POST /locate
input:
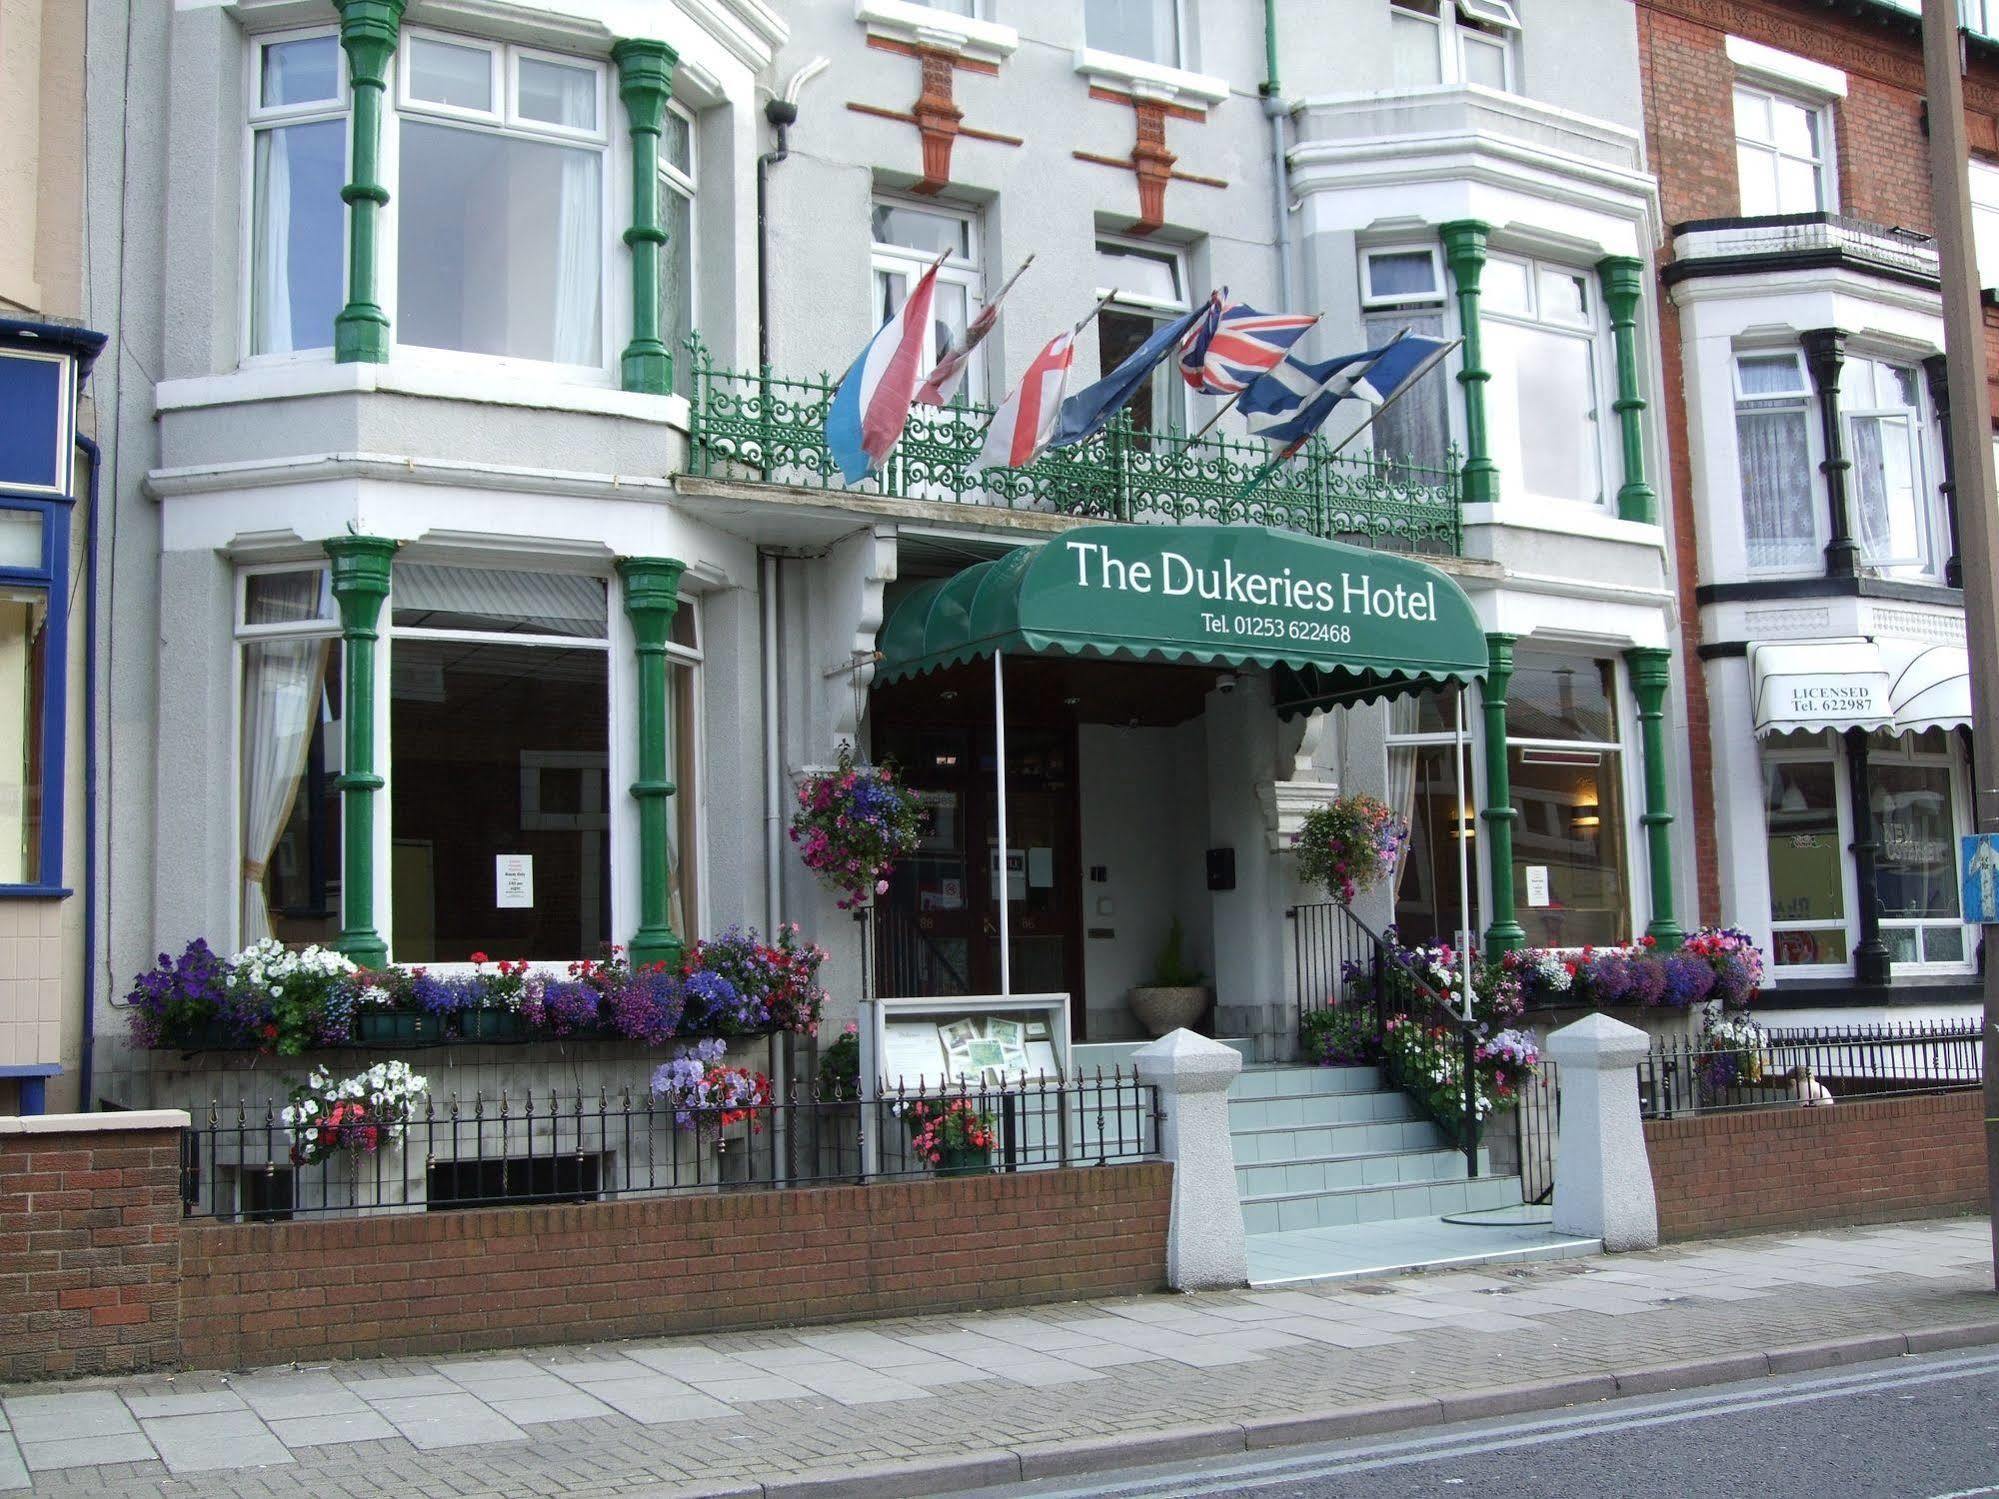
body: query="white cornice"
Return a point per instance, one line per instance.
(750, 30)
(317, 468)
(1151, 80)
(927, 26)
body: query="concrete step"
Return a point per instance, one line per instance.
(1086, 1056)
(1343, 1173)
(1290, 1082)
(1283, 1212)
(1286, 1142)
(1314, 1107)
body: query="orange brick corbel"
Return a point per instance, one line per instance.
(935, 114)
(1151, 161)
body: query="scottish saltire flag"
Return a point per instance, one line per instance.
(949, 373)
(1026, 418)
(871, 406)
(1089, 410)
(1234, 343)
(1293, 401)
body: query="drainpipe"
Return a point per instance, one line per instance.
(1280, 172)
(782, 112)
(773, 752)
(86, 1069)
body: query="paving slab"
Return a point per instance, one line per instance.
(222, 1439)
(77, 1415)
(357, 1425)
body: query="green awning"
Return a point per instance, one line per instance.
(1334, 623)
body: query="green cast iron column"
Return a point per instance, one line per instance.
(368, 31)
(1649, 679)
(1623, 284)
(652, 593)
(1505, 933)
(360, 583)
(1464, 247)
(645, 82)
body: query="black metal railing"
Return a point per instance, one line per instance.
(1810, 1067)
(1537, 1127)
(242, 1162)
(1339, 961)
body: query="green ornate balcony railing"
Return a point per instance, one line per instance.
(771, 429)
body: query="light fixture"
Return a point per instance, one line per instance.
(1070, 702)
(948, 695)
(1585, 815)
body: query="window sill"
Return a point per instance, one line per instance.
(35, 892)
(1151, 80)
(921, 26)
(299, 379)
(1565, 517)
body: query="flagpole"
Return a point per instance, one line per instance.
(1400, 391)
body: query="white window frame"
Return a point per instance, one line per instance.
(966, 271)
(612, 325)
(1814, 455)
(1371, 299)
(1590, 332)
(240, 635)
(1182, 53)
(1905, 752)
(1156, 308)
(1474, 790)
(258, 117)
(1817, 106)
(620, 703)
(1923, 457)
(686, 185)
(1454, 20)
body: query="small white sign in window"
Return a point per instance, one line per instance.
(513, 882)
(1537, 884)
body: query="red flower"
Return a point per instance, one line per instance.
(478, 957)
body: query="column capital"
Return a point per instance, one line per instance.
(652, 595)
(1464, 247)
(645, 79)
(1651, 667)
(1621, 275)
(1825, 352)
(1499, 653)
(361, 570)
(369, 30)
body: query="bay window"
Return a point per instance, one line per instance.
(1882, 406)
(1565, 759)
(501, 227)
(288, 756)
(1782, 153)
(298, 163)
(1913, 782)
(1773, 422)
(1148, 30)
(1452, 41)
(499, 763)
(1539, 328)
(907, 240)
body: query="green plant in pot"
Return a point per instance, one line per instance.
(1177, 997)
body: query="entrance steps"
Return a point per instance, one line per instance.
(1339, 1176)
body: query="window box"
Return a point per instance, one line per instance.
(492, 1025)
(397, 1028)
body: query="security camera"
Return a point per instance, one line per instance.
(1225, 683)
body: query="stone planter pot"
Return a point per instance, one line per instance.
(1165, 1010)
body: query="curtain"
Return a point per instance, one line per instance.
(1777, 518)
(282, 682)
(1402, 719)
(1870, 490)
(270, 282)
(579, 229)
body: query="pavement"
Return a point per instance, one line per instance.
(940, 1403)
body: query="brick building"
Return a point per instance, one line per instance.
(1811, 504)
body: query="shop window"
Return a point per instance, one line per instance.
(289, 757)
(1436, 798)
(499, 756)
(501, 229)
(1985, 221)
(907, 241)
(1570, 884)
(679, 185)
(1782, 153)
(1539, 323)
(1148, 287)
(1148, 30)
(1807, 860)
(1882, 406)
(1913, 784)
(298, 164)
(1780, 505)
(1453, 41)
(1402, 291)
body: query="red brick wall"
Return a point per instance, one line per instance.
(1768, 1169)
(443, 1282)
(90, 1243)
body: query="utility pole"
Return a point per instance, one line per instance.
(1971, 448)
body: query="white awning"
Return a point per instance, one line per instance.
(1807, 685)
(1931, 685)
(1900, 686)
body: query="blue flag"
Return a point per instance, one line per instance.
(1088, 411)
(1293, 401)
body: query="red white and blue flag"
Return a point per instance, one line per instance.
(1026, 419)
(1234, 343)
(871, 405)
(949, 372)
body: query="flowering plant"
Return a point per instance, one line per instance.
(956, 1127)
(1427, 1062)
(840, 1067)
(174, 1002)
(290, 1001)
(1714, 962)
(704, 1093)
(853, 822)
(1732, 1052)
(359, 1113)
(1350, 844)
(770, 984)
(1338, 1035)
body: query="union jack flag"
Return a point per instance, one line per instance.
(1234, 343)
